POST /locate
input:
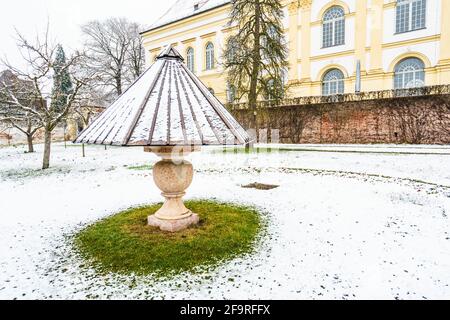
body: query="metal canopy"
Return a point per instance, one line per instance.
(167, 106)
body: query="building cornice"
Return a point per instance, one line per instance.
(208, 35)
(305, 4)
(184, 18)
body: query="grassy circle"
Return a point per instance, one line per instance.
(123, 243)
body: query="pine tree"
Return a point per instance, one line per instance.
(255, 58)
(62, 84)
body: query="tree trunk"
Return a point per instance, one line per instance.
(119, 84)
(65, 140)
(252, 97)
(30, 143)
(47, 144)
(29, 133)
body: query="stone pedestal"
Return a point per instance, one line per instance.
(172, 175)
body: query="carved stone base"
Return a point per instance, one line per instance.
(173, 225)
(172, 175)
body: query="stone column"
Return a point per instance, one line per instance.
(293, 41)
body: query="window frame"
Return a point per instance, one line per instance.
(231, 93)
(415, 73)
(410, 28)
(328, 82)
(333, 31)
(190, 59)
(232, 49)
(209, 56)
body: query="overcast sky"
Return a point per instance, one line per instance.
(66, 17)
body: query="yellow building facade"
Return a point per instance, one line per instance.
(335, 46)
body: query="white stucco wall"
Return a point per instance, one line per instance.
(318, 5)
(316, 38)
(433, 23)
(393, 45)
(429, 49)
(346, 62)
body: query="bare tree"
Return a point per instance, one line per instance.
(136, 53)
(27, 125)
(114, 51)
(24, 121)
(443, 117)
(90, 101)
(39, 57)
(5, 135)
(413, 123)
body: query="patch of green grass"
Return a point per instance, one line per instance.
(144, 167)
(125, 244)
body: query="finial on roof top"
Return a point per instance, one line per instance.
(170, 52)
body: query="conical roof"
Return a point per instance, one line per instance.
(167, 106)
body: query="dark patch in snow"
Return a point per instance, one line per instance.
(260, 186)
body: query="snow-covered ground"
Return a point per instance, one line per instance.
(347, 222)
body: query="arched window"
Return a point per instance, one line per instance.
(231, 93)
(190, 58)
(270, 89)
(268, 41)
(409, 73)
(284, 77)
(209, 56)
(333, 82)
(333, 27)
(410, 15)
(232, 50)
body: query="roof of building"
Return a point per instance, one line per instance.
(183, 9)
(9, 78)
(167, 106)
(21, 88)
(6, 77)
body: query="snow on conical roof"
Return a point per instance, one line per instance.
(167, 106)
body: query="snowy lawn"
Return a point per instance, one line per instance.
(346, 222)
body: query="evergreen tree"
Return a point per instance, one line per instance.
(62, 84)
(255, 57)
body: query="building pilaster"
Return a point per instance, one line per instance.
(293, 41)
(376, 49)
(360, 33)
(444, 57)
(305, 6)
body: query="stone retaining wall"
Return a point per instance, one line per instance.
(414, 120)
